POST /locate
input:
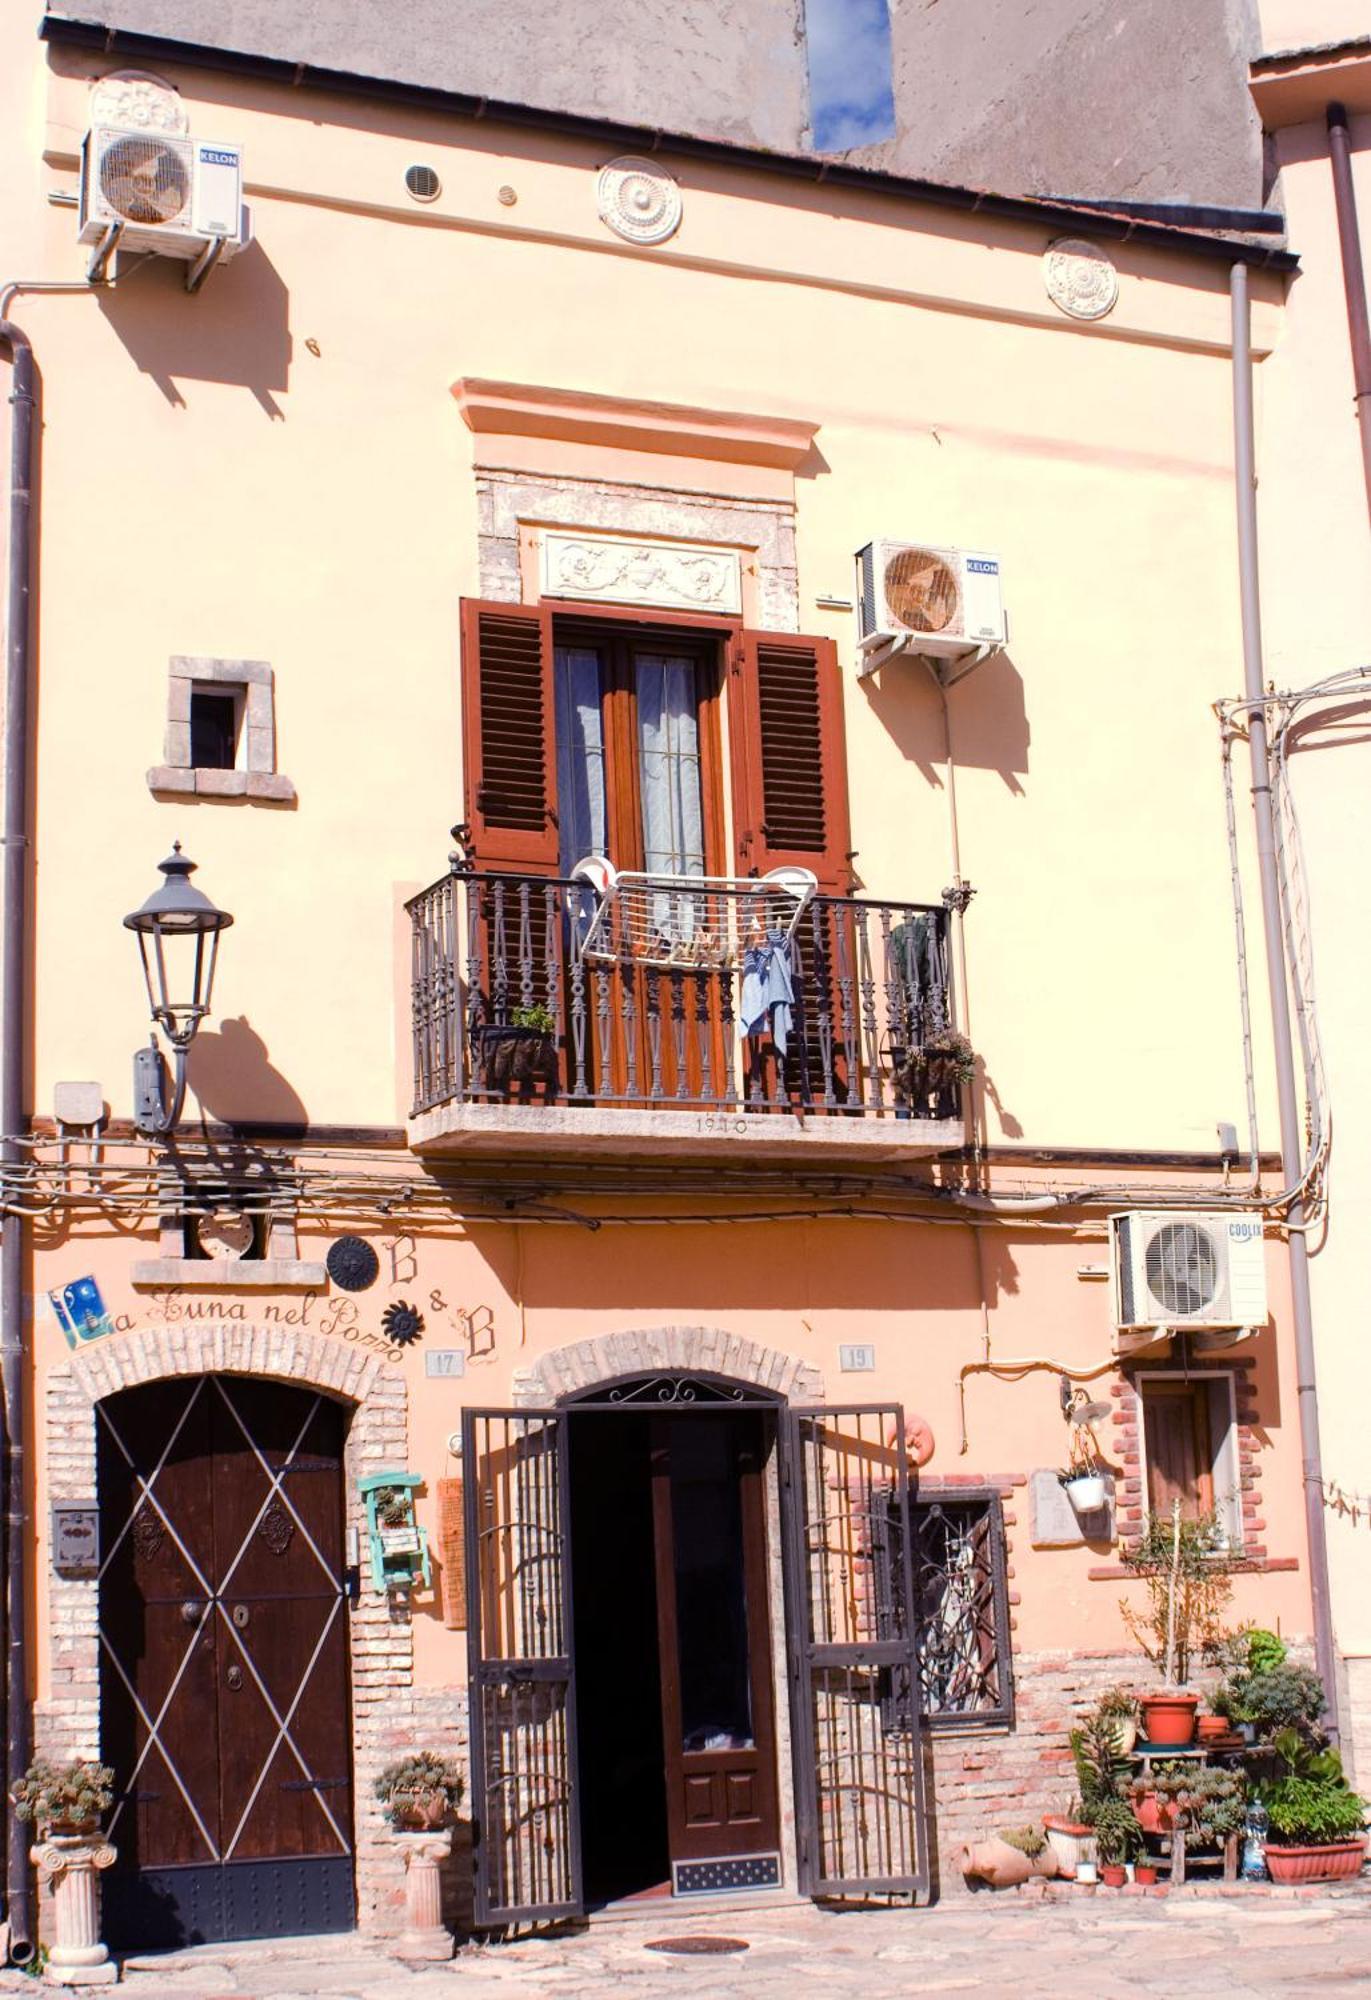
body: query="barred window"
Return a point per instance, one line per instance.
(961, 1600)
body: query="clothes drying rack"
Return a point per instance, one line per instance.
(678, 923)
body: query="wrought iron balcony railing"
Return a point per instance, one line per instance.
(514, 1002)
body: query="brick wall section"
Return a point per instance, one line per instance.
(1125, 1447)
(658, 1350)
(1000, 1777)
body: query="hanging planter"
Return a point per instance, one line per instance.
(1086, 1491)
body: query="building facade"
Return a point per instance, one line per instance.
(583, 1322)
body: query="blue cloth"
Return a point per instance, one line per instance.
(768, 993)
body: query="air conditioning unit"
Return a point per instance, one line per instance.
(1177, 1268)
(939, 602)
(162, 192)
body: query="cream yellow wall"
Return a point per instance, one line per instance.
(1314, 531)
(214, 486)
(1308, 24)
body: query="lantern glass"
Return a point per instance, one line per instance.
(178, 938)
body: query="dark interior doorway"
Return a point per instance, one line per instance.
(675, 1713)
(621, 1780)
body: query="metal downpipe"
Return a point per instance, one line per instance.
(1353, 278)
(1245, 480)
(13, 1020)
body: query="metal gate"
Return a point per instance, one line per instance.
(523, 1721)
(859, 1779)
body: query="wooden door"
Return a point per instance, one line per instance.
(224, 1661)
(718, 1712)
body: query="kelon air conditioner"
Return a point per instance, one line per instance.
(161, 192)
(1178, 1268)
(940, 602)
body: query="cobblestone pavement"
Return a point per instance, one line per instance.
(1109, 1945)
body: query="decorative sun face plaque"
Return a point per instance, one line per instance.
(638, 200)
(1080, 277)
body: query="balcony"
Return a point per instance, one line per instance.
(536, 1030)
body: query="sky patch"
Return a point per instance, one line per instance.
(851, 98)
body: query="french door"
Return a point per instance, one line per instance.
(850, 1645)
(224, 1661)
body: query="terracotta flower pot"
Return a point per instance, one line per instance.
(1113, 1874)
(1211, 1728)
(419, 1812)
(1069, 1840)
(1169, 1718)
(994, 1861)
(1144, 1874)
(1153, 1814)
(1334, 1861)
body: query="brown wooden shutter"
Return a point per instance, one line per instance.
(1179, 1449)
(789, 757)
(508, 748)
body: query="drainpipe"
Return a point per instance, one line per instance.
(13, 996)
(1292, 1164)
(1353, 278)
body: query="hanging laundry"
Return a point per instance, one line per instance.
(768, 993)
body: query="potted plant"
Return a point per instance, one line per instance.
(64, 1799)
(521, 1050)
(1083, 1478)
(1071, 1838)
(421, 1792)
(1117, 1838)
(1207, 1802)
(936, 1069)
(1317, 1830)
(1186, 1568)
(1010, 1856)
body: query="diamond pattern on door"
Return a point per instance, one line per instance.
(224, 1661)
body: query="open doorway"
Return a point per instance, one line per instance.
(675, 1712)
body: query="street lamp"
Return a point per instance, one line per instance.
(178, 936)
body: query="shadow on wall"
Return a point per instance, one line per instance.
(715, 1275)
(989, 717)
(235, 330)
(234, 1082)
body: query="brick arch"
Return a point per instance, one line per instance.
(707, 1350)
(384, 1698)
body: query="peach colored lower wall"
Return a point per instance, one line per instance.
(529, 1308)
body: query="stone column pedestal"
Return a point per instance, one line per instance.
(72, 1862)
(425, 1936)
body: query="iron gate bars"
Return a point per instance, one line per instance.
(523, 1720)
(855, 1705)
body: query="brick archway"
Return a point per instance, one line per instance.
(67, 1724)
(707, 1350)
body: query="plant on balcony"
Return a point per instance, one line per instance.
(521, 1050)
(421, 1792)
(936, 1069)
(64, 1798)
